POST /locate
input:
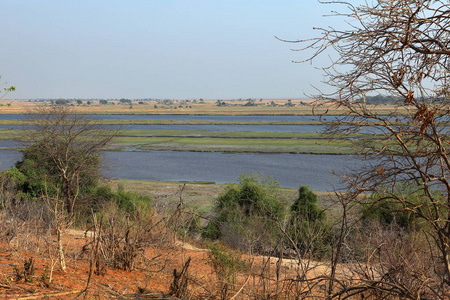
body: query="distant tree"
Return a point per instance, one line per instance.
(250, 102)
(289, 103)
(125, 101)
(379, 99)
(61, 102)
(79, 102)
(103, 101)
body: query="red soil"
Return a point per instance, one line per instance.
(155, 277)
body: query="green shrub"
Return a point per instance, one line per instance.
(305, 207)
(308, 227)
(246, 214)
(36, 175)
(12, 182)
(127, 201)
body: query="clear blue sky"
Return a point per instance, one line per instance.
(157, 48)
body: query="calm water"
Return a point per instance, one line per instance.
(8, 158)
(290, 170)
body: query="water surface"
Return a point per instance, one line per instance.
(290, 170)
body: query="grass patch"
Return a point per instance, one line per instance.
(218, 141)
(226, 134)
(238, 145)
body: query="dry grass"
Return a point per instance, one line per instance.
(208, 108)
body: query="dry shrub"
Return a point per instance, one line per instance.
(179, 286)
(252, 234)
(124, 236)
(24, 224)
(388, 261)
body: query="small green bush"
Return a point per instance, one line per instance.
(127, 201)
(246, 214)
(308, 227)
(305, 207)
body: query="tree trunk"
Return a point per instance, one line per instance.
(62, 259)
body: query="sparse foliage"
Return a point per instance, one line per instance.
(6, 91)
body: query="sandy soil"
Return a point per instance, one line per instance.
(152, 278)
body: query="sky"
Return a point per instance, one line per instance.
(177, 49)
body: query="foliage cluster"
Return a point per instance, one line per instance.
(250, 216)
(308, 227)
(244, 214)
(59, 172)
(36, 174)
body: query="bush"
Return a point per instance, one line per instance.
(127, 202)
(37, 175)
(245, 214)
(305, 207)
(308, 227)
(12, 182)
(123, 235)
(226, 266)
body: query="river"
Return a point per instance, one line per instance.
(290, 170)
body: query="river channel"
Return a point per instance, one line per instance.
(290, 170)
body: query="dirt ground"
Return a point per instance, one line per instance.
(153, 278)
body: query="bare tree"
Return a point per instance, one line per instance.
(61, 161)
(401, 49)
(67, 146)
